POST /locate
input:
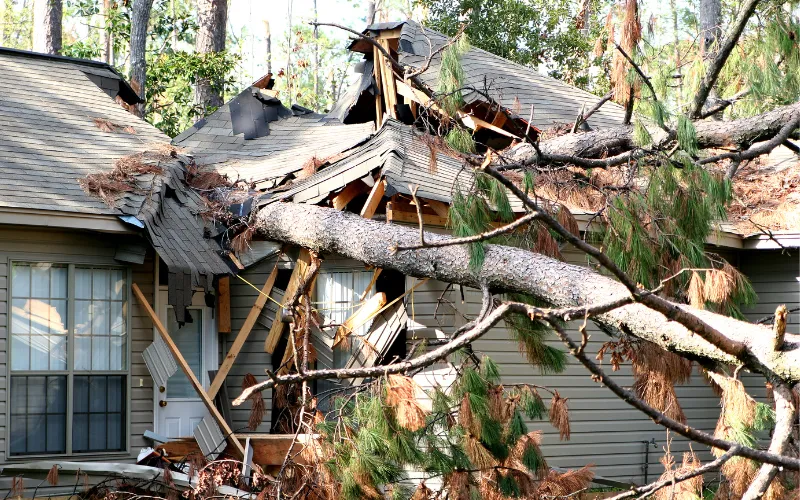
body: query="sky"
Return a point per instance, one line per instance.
(249, 15)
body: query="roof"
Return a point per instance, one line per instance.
(49, 137)
(293, 138)
(515, 87)
(403, 155)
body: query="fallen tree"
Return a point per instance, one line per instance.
(517, 270)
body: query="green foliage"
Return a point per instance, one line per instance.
(641, 136)
(532, 404)
(508, 486)
(460, 139)
(765, 417)
(531, 335)
(687, 135)
(451, 77)
(469, 215)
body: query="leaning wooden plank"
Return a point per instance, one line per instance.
(224, 309)
(361, 316)
(371, 283)
(244, 332)
(376, 68)
(441, 209)
(299, 273)
(374, 199)
(198, 387)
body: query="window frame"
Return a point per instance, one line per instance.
(70, 371)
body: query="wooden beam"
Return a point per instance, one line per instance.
(371, 283)
(389, 81)
(347, 194)
(359, 317)
(374, 199)
(386, 78)
(389, 34)
(187, 370)
(394, 215)
(298, 274)
(441, 209)
(244, 332)
(376, 71)
(223, 306)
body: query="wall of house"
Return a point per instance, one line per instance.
(74, 247)
(775, 276)
(252, 358)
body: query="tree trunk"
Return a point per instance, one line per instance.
(140, 18)
(47, 16)
(107, 40)
(512, 269)
(316, 59)
(710, 25)
(212, 17)
(370, 12)
(268, 39)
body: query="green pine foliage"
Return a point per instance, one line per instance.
(641, 136)
(687, 135)
(531, 335)
(460, 139)
(378, 449)
(451, 77)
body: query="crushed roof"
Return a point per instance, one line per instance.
(292, 142)
(513, 86)
(49, 137)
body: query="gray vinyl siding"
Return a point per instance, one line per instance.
(17, 243)
(775, 276)
(252, 358)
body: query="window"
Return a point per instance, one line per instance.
(69, 366)
(338, 297)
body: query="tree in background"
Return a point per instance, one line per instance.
(212, 18)
(140, 20)
(47, 15)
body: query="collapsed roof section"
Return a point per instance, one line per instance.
(257, 139)
(517, 89)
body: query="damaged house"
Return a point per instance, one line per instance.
(132, 315)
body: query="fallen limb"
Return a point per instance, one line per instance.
(517, 270)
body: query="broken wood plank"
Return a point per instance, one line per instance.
(361, 316)
(298, 275)
(441, 209)
(374, 199)
(224, 305)
(244, 332)
(389, 34)
(347, 194)
(187, 370)
(371, 283)
(395, 215)
(376, 71)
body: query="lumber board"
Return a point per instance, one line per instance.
(244, 332)
(394, 215)
(359, 317)
(299, 272)
(441, 209)
(224, 305)
(187, 370)
(347, 194)
(268, 449)
(374, 199)
(371, 283)
(376, 70)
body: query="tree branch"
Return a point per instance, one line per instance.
(725, 49)
(785, 413)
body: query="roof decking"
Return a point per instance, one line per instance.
(48, 135)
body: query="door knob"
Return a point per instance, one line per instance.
(162, 403)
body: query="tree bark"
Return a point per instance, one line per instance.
(268, 41)
(140, 18)
(47, 16)
(616, 140)
(212, 18)
(517, 270)
(710, 25)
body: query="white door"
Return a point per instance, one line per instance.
(178, 408)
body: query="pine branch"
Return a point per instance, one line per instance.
(725, 49)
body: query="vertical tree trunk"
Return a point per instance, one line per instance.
(711, 31)
(212, 17)
(47, 26)
(268, 35)
(107, 38)
(370, 12)
(316, 60)
(676, 41)
(140, 18)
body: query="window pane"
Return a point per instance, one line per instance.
(58, 352)
(20, 316)
(83, 353)
(189, 339)
(82, 323)
(100, 359)
(20, 352)
(58, 317)
(40, 281)
(38, 414)
(83, 283)
(40, 352)
(100, 287)
(21, 280)
(100, 313)
(99, 413)
(58, 282)
(117, 356)
(117, 284)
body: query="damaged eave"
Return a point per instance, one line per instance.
(64, 220)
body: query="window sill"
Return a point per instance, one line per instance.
(77, 457)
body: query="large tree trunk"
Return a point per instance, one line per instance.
(47, 16)
(710, 25)
(212, 17)
(268, 42)
(517, 270)
(140, 18)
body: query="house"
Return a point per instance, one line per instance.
(82, 350)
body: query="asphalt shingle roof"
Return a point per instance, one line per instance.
(291, 143)
(48, 135)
